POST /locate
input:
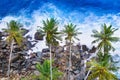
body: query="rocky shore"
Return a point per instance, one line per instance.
(23, 64)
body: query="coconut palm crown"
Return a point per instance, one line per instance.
(71, 32)
(105, 38)
(102, 71)
(50, 30)
(14, 32)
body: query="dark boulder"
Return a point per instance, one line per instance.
(28, 37)
(59, 50)
(3, 44)
(27, 45)
(25, 31)
(92, 50)
(38, 36)
(0, 35)
(85, 48)
(45, 50)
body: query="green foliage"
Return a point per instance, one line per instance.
(24, 79)
(106, 57)
(103, 67)
(50, 30)
(102, 70)
(105, 38)
(14, 32)
(71, 32)
(44, 70)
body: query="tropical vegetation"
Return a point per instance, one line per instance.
(14, 36)
(100, 67)
(71, 32)
(50, 30)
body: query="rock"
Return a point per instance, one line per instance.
(75, 49)
(3, 44)
(17, 48)
(59, 55)
(77, 72)
(45, 50)
(33, 67)
(34, 62)
(27, 45)
(36, 72)
(38, 36)
(15, 58)
(4, 34)
(39, 54)
(85, 48)
(0, 35)
(92, 50)
(80, 76)
(29, 37)
(59, 50)
(25, 31)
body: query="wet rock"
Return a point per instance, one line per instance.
(75, 49)
(29, 37)
(85, 48)
(39, 54)
(27, 45)
(45, 50)
(36, 72)
(59, 49)
(38, 36)
(25, 31)
(93, 50)
(3, 44)
(15, 58)
(80, 76)
(4, 34)
(0, 35)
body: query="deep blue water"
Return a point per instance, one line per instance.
(100, 7)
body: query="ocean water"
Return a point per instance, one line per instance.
(87, 15)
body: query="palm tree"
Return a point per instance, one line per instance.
(44, 70)
(50, 30)
(14, 35)
(102, 71)
(70, 32)
(105, 38)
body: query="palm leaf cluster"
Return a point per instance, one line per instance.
(14, 32)
(105, 38)
(50, 30)
(104, 66)
(71, 32)
(102, 71)
(44, 70)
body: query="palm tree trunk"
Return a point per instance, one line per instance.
(87, 75)
(11, 49)
(50, 63)
(70, 63)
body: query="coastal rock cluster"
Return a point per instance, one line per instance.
(23, 63)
